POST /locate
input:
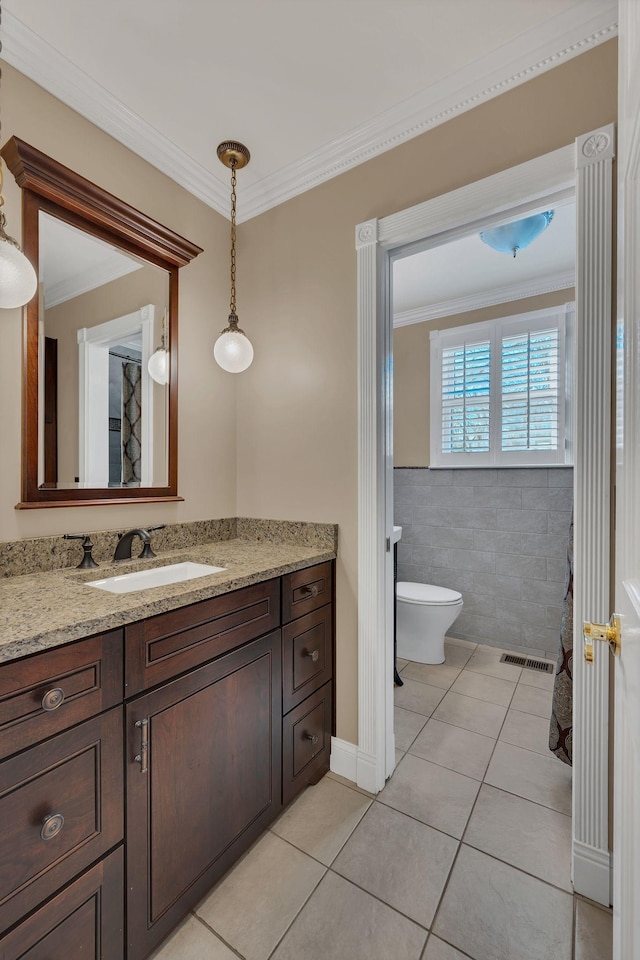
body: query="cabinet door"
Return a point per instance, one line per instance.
(84, 921)
(205, 785)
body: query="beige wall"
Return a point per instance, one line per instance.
(207, 429)
(117, 298)
(297, 405)
(411, 368)
(296, 420)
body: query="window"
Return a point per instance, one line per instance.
(500, 391)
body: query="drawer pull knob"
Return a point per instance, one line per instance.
(142, 757)
(313, 737)
(53, 699)
(313, 590)
(313, 655)
(51, 826)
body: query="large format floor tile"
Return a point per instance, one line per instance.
(544, 780)
(388, 855)
(322, 819)
(432, 794)
(527, 731)
(419, 697)
(491, 689)
(406, 727)
(594, 932)
(494, 912)
(534, 700)
(533, 678)
(341, 921)
(457, 655)
(487, 661)
(524, 834)
(437, 674)
(477, 715)
(192, 941)
(439, 950)
(455, 748)
(249, 909)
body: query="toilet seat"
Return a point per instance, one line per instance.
(426, 593)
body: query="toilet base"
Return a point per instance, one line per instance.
(421, 630)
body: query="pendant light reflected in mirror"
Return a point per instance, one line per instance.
(18, 280)
(233, 350)
(158, 365)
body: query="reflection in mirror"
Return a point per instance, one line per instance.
(102, 420)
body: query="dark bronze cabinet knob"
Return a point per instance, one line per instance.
(53, 699)
(313, 737)
(51, 826)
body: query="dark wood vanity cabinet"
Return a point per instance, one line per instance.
(206, 785)
(193, 727)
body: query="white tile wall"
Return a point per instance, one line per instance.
(499, 537)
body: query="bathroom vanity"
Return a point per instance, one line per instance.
(137, 764)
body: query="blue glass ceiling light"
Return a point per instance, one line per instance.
(511, 237)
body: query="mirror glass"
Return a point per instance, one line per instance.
(103, 422)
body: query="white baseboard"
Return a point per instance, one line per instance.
(344, 759)
(592, 872)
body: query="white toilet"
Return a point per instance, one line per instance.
(425, 613)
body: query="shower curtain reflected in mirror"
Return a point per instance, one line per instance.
(131, 424)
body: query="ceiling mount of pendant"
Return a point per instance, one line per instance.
(232, 153)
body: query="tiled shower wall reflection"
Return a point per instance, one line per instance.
(500, 538)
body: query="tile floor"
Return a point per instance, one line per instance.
(464, 854)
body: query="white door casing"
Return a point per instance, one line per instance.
(626, 843)
(552, 177)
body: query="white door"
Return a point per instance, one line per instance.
(626, 845)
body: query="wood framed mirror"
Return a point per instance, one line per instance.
(96, 426)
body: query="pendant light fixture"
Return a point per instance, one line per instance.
(233, 350)
(158, 365)
(18, 280)
(514, 236)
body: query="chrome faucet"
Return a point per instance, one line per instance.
(125, 541)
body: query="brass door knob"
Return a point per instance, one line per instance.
(607, 632)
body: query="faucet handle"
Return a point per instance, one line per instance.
(147, 552)
(87, 561)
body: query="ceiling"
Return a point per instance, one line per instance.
(465, 274)
(312, 87)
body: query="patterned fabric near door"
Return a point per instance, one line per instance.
(561, 725)
(131, 424)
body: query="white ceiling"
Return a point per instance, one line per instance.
(466, 274)
(72, 262)
(311, 86)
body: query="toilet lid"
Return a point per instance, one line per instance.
(426, 593)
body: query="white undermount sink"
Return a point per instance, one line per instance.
(158, 577)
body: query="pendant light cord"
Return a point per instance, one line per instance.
(232, 304)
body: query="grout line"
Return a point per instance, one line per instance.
(375, 896)
(217, 935)
(303, 905)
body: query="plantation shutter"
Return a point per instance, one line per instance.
(530, 390)
(466, 382)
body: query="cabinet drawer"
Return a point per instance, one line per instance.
(162, 647)
(51, 691)
(84, 921)
(61, 808)
(307, 650)
(306, 742)
(306, 590)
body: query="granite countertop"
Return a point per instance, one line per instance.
(43, 610)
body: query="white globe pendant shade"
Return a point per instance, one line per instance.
(18, 280)
(233, 351)
(158, 366)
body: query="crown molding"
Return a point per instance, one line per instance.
(490, 298)
(554, 42)
(42, 63)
